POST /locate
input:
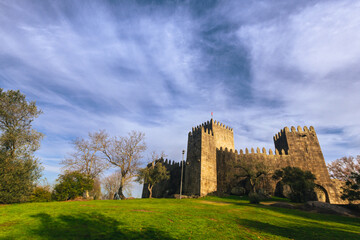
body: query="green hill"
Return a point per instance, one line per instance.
(204, 218)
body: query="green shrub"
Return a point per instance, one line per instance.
(41, 194)
(71, 185)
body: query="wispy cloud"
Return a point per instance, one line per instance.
(307, 61)
(162, 67)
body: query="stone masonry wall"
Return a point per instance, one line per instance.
(295, 149)
(224, 136)
(211, 160)
(208, 163)
(193, 159)
(227, 161)
(304, 148)
(168, 187)
(201, 158)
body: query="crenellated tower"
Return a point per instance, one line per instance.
(212, 159)
(303, 146)
(201, 176)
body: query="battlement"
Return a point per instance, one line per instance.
(208, 127)
(212, 159)
(252, 151)
(294, 130)
(197, 130)
(222, 125)
(168, 163)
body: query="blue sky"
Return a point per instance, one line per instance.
(162, 67)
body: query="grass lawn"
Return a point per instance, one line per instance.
(204, 218)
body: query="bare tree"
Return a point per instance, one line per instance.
(87, 156)
(343, 167)
(96, 191)
(125, 153)
(111, 185)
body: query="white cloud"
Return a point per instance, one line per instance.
(309, 62)
(155, 70)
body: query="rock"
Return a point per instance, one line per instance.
(177, 196)
(283, 205)
(323, 207)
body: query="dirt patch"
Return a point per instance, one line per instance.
(268, 203)
(7, 224)
(79, 199)
(213, 219)
(87, 205)
(141, 210)
(170, 220)
(215, 203)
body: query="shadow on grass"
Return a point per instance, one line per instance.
(235, 199)
(90, 226)
(315, 231)
(311, 216)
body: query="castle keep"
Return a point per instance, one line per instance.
(211, 157)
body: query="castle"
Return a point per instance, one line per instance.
(211, 157)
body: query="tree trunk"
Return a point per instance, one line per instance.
(252, 185)
(87, 194)
(120, 191)
(150, 187)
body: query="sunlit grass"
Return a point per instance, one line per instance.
(204, 218)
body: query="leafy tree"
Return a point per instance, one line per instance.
(125, 154)
(19, 169)
(343, 167)
(17, 177)
(72, 185)
(351, 190)
(153, 173)
(301, 183)
(87, 157)
(255, 172)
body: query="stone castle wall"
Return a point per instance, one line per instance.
(228, 160)
(169, 187)
(208, 163)
(193, 159)
(211, 160)
(305, 148)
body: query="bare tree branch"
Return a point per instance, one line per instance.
(125, 153)
(343, 167)
(87, 156)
